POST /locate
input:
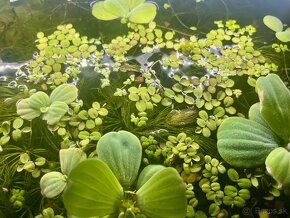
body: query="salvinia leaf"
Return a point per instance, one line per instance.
(25, 111)
(55, 112)
(273, 23)
(66, 93)
(122, 152)
(163, 195)
(143, 13)
(275, 104)
(70, 158)
(92, 190)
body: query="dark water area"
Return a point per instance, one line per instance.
(21, 20)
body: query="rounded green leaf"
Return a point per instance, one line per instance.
(25, 111)
(284, 36)
(244, 143)
(52, 184)
(39, 100)
(278, 166)
(147, 173)
(163, 195)
(273, 23)
(143, 13)
(66, 93)
(69, 158)
(275, 104)
(101, 13)
(55, 112)
(116, 8)
(92, 190)
(122, 152)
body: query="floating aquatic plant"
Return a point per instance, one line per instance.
(276, 25)
(135, 11)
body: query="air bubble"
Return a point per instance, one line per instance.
(12, 84)
(3, 78)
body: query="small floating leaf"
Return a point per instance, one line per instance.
(273, 23)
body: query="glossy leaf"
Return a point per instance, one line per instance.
(92, 190)
(275, 104)
(66, 93)
(70, 158)
(122, 152)
(163, 195)
(244, 143)
(273, 23)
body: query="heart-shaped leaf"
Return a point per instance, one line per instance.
(92, 190)
(122, 152)
(55, 112)
(273, 23)
(275, 104)
(278, 166)
(244, 143)
(69, 158)
(25, 111)
(66, 93)
(163, 195)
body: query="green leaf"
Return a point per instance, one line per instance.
(39, 100)
(163, 195)
(69, 158)
(66, 93)
(116, 8)
(25, 111)
(273, 23)
(55, 112)
(17, 123)
(275, 104)
(147, 173)
(122, 152)
(52, 184)
(255, 115)
(278, 166)
(101, 13)
(244, 143)
(92, 190)
(143, 13)
(284, 36)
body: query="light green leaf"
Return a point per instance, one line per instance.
(284, 36)
(122, 152)
(25, 111)
(244, 143)
(147, 173)
(66, 93)
(116, 8)
(163, 195)
(52, 184)
(255, 115)
(143, 13)
(39, 100)
(101, 13)
(92, 190)
(278, 166)
(69, 158)
(273, 23)
(55, 112)
(275, 104)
